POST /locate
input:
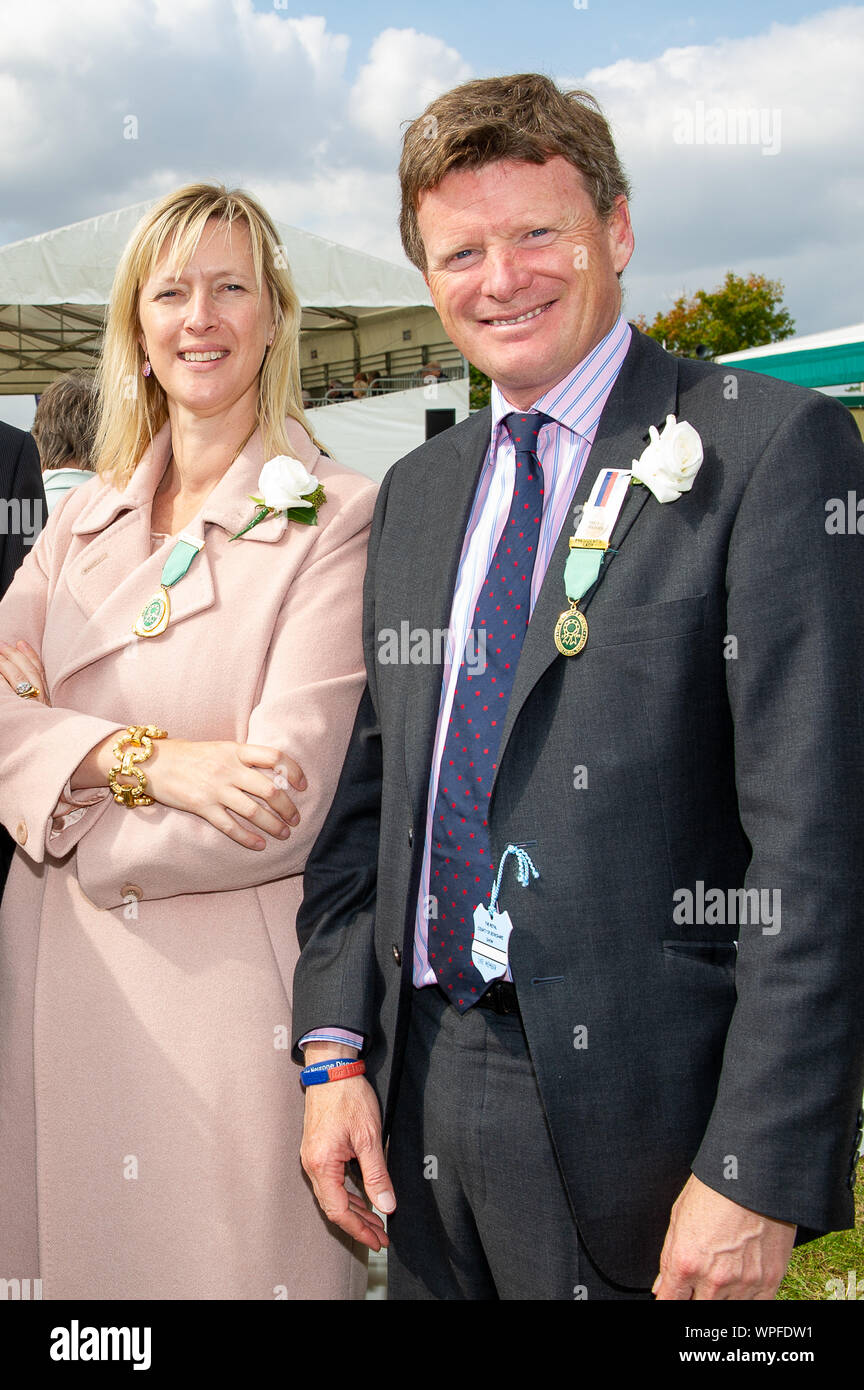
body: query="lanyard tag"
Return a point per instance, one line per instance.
(601, 510)
(489, 949)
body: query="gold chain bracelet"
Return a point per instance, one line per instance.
(133, 746)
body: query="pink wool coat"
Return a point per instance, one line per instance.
(150, 1113)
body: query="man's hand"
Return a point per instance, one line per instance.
(343, 1121)
(716, 1249)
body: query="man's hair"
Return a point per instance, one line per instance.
(525, 117)
(65, 423)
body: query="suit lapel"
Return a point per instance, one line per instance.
(645, 392)
(450, 482)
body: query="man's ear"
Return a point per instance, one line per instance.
(620, 231)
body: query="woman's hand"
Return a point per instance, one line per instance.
(222, 782)
(22, 663)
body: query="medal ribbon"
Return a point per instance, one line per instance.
(596, 525)
(587, 549)
(181, 557)
(581, 571)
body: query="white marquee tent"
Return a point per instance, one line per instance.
(54, 288)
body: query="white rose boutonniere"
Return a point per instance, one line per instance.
(671, 461)
(286, 486)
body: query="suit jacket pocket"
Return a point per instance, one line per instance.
(611, 627)
(722, 953)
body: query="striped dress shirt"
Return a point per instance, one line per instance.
(574, 405)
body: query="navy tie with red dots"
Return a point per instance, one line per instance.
(461, 873)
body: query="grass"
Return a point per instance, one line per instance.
(830, 1257)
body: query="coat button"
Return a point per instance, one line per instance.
(131, 890)
(21, 833)
(397, 954)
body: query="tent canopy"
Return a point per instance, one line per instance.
(834, 358)
(54, 290)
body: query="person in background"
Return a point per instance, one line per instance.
(171, 730)
(433, 371)
(336, 391)
(65, 429)
(360, 387)
(22, 498)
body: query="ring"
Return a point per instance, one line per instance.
(27, 690)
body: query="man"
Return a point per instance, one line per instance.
(64, 429)
(662, 1077)
(22, 500)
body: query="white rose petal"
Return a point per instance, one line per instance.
(671, 461)
(283, 482)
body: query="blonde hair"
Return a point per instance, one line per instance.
(133, 408)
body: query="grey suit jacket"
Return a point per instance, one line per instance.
(723, 1045)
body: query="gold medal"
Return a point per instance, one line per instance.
(571, 631)
(154, 616)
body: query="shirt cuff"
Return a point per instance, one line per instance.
(334, 1035)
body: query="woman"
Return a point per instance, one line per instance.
(150, 1115)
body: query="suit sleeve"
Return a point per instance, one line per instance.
(782, 1136)
(41, 747)
(334, 977)
(311, 686)
(26, 488)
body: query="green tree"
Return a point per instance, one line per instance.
(480, 388)
(743, 312)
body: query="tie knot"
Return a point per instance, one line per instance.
(524, 429)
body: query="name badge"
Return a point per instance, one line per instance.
(490, 947)
(601, 510)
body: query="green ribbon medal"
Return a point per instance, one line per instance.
(587, 549)
(156, 613)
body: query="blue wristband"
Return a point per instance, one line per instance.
(319, 1072)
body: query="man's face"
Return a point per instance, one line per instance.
(522, 270)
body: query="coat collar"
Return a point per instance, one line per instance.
(228, 505)
(115, 572)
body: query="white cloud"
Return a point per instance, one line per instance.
(702, 208)
(108, 102)
(405, 71)
(267, 100)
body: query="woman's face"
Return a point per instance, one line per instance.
(206, 329)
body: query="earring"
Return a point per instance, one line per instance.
(146, 368)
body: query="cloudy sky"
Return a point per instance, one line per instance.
(303, 105)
